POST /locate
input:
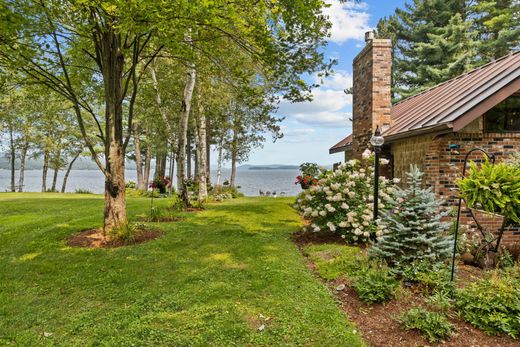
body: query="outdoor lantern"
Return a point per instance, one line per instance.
(377, 141)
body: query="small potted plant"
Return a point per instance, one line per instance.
(308, 177)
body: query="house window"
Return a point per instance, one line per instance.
(504, 117)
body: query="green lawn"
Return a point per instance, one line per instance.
(208, 281)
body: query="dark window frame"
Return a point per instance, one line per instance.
(507, 115)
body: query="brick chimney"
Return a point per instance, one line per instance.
(371, 92)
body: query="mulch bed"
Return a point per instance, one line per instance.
(376, 323)
(93, 238)
(193, 209)
(163, 219)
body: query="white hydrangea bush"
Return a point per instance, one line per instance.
(342, 201)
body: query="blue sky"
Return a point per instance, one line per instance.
(312, 128)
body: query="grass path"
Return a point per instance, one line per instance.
(213, 279)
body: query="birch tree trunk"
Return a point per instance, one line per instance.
(201, 151)
(234, 148)
(45, 169)
(219, 163)
(56, 171)
(188, 155)
(138, 158)
(67, 173)
(208, 151)
(13, 158)
(146, 173)
(183, 132)
(23, 156)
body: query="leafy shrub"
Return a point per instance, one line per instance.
(504, 258)
(224, 193)
(82, 191)
(441, 301)
(492, 304)
(494, 188)
(333, 261)
(131, 185)
(124, 232)
(222, 196)
(432, 278)
(413, 227)
(342, 200)
(433, 325)
(374, 284)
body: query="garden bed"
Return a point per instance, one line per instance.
(377, 322)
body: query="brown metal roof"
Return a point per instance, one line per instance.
(342, 145)
(455, 103)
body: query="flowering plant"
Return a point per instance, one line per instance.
(342, 200)
(161, 183)
(308, 177)
(305, 181)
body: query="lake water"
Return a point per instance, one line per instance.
(250, 181)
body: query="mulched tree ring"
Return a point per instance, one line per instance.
(193, 209)
(93, 238)
(162, 219)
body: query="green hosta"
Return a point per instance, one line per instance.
(495, 187)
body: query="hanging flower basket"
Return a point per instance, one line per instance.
(305, 181)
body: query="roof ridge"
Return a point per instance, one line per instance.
(514, 52)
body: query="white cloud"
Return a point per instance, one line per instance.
(323, 100)
(339, 81)
(327, 109)
(324, 119)
(349, 21)
(298, 132)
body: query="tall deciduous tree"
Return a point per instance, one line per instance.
(81, 48)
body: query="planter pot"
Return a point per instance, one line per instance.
(468, 258)
(305, 185)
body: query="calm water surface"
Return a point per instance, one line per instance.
(250, 181)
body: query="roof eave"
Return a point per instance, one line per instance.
(339, 149)
(435, 129)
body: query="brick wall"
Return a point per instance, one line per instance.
(371, 92)
(442, 165)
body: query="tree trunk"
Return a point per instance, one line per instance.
(172, 166)
(67, 173)
(201, 151)
(56, 171)
(138, 158)
(183, 130)
(234, 147)
(13, 158)
(113, 69)
(45, 169)
(23, 156)
(208, 151)
(188, 155)
(219, 162)
(146, 173)
(158, 163)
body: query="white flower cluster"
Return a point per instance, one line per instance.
(342, 200)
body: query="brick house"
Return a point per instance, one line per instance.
(435, 129)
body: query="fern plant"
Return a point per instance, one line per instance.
(496, 188)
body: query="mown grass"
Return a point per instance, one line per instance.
(333, 261)
(214, 278)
